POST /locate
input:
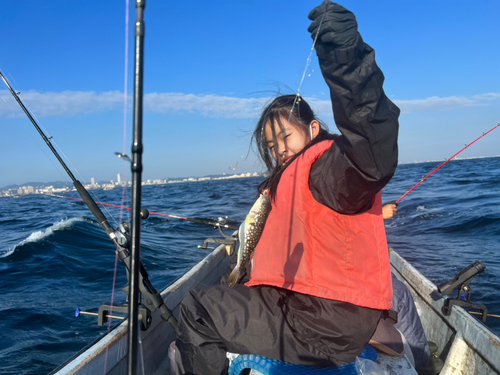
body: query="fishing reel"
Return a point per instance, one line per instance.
(462, 281)
(152, 299)
(121, 237)
(229, 241)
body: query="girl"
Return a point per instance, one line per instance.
(320, 277)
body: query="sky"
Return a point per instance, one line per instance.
(210, 66)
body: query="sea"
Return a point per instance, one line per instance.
(55, 258)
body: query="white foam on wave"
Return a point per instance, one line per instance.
(431, 210)
(426, 212)
(8, 252)
(39, 235)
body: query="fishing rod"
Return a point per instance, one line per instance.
(120, 237)
(126, 239)
(446, 161)
(79, 187)
(221, 222)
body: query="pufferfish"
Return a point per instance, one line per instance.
(249, 234)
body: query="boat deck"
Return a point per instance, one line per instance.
(395, 365)
(467, 347)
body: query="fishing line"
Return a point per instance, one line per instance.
(446, 161)
(12, 78)
(35, 139)
(8, 106)
(308, 62)
(219, 223)
(50, 143)
(125, 97)
(42, 127)
(141, 350)
(59, 149)
(125, 78)
(52, 140)
(125, 86)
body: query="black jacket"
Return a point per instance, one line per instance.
(363, 159)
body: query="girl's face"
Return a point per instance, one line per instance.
(290, 141)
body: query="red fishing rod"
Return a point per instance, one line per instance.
(221, 222)
(446, 161)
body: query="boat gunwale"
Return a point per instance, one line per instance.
(480, 339)
(460, 325)
(92, 351)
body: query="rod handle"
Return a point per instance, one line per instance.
(96, 211)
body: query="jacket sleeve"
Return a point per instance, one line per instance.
(364, 157)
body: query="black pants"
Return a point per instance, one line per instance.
(271, 322)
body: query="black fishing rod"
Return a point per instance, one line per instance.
(126, 239)
(79, 187)
(122, 237)
(136, 167)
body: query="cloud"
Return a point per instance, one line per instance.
(436, 103)
(60, 104)
(73, 103)
(321, 107)
(490, 96)
(207, 105)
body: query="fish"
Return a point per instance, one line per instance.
(249, 234)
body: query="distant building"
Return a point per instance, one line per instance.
(118, 178)
(23, 190)
(92, 181)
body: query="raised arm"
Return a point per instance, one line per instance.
(364, 158)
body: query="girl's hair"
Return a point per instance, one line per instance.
(295, 110)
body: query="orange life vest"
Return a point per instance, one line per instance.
(309, 248)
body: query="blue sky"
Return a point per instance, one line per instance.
(210, 66)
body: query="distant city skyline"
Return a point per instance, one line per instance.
(30, 187)
(195, 178)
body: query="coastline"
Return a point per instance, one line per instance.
(50, 189)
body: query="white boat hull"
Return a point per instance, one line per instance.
(466, 345)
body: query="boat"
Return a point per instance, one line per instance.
(465, 344)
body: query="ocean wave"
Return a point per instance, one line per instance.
(41, 234)
(425, 213)
(471, 225)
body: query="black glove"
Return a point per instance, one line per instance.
(337, 26)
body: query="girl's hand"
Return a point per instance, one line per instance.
(388, 210)
(337, 26)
